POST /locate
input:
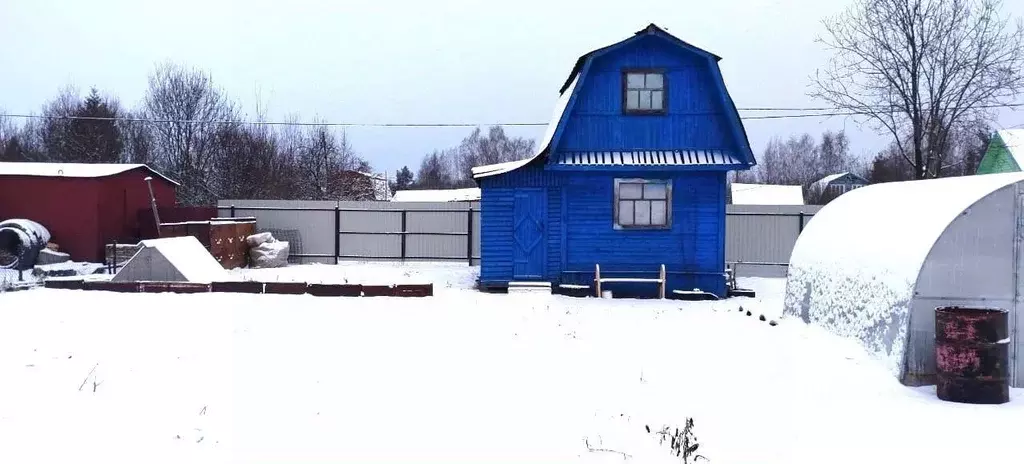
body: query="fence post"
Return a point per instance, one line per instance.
(404, 217)
(801, 221)
(337, 234)
(232, 211)
(469, 236)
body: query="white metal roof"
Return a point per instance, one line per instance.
(1014, 141)
(466, 194)
(78, 170)
(645, 158)
(189, 257)
(763, 194)
(549, 135)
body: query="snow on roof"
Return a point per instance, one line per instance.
(466, 194)
(1014, 141)
(856, 263)
(820, 185)
(830, 178)
(190, 258)
(762, 194)
(80, 170)
(549, 135)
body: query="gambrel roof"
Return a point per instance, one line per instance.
(571, 88)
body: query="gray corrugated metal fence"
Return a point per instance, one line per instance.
(759, 239)
(369, 230)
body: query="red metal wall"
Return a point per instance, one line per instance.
(65, 206)
(122, 196)
(82, 214)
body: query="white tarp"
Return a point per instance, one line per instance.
(266, 251)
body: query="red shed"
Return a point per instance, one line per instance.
(84, 206)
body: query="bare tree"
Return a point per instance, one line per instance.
(921, 69)
(330, 168)
(188, 109)
(56, 126)
(7, 135)
(436, 171)
(786, 162)
(833, 153)
(889, 166)
(452, 167)
(139, 139)
(496, 147)
(25, 144)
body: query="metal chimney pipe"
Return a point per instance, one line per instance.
(152, 202)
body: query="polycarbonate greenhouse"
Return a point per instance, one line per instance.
(875, 263)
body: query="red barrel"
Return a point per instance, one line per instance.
(972, 354)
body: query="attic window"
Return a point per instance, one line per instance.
(643, 204)
(644, 92)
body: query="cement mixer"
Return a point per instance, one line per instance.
(21, 240)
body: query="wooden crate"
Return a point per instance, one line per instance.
(224, 239)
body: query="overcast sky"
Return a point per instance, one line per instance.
(391, 61)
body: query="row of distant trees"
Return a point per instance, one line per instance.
(452, 167)
(191, 131)
(803, 160)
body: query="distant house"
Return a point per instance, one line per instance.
(1005, 153)
(630, 175)
(831, 186)
(763, 194)
(364, 186)
(448, 195)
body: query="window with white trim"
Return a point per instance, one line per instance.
(644, 92)
(643, 204)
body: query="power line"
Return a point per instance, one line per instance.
(265, 123)
(831, 112)
(878, 108)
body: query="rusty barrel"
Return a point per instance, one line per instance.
(972, 354)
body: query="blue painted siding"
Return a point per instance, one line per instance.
(696, 115)
(691, 249)
(497, 199)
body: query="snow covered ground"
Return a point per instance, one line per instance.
(459, 377)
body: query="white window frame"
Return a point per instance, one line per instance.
(617, 204)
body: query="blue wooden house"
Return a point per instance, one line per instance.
(630, 176)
